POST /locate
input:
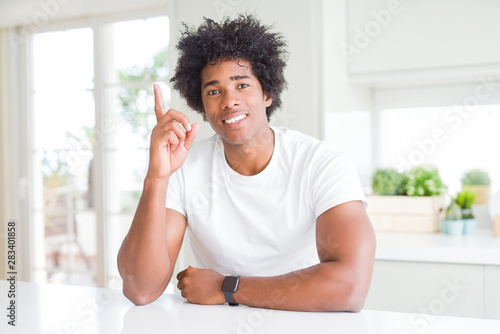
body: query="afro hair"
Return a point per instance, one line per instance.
(242, 38)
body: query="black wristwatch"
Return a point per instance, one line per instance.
(229, 286)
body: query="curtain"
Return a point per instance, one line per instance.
(6, 179)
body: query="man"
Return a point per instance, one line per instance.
(276, 218)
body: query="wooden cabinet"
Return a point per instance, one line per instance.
(492, 292)
(388, 38)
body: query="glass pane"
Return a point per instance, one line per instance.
(119, 224)
(138, 44)
(63, 120)
(447, 137)
(63, 61)
(125, 185)
(70, 278)
(139, 59)
(64, 223)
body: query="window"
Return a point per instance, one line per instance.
(64, 221)
(454, 127)
(139, 60)
(449, 137)
(92, 113)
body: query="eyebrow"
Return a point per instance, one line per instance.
(234, 78)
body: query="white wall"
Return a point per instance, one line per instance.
(346, 107)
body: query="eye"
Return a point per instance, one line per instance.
(243, 85)
(213, 92)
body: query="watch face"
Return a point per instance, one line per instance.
(230, 283)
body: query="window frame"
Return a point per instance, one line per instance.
(101, 27)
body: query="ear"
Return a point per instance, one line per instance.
(268, 99)
(204, 114)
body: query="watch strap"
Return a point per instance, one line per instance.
(228, 293)
(229, 298)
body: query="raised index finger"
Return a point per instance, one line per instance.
(159, 106)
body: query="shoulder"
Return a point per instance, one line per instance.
(314, 151)
(204, 143)
(202, 149)
(294, 137)
(296, 147)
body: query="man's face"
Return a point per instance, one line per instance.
(233, 101)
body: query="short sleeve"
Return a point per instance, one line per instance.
(334, 179)
(175, 193)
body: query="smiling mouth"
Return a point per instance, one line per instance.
(235, 119)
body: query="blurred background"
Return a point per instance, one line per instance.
(393, 84)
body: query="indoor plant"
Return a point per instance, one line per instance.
(388, 182)
(453, 224)
(424, 181)
(478, 181)
(464, 199)
(416, 202)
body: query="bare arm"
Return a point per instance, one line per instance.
(346, 248)
(147, 256)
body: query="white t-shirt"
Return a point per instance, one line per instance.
(260, 225)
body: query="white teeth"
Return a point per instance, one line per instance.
(235, 119)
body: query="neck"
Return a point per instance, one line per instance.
(251, 158)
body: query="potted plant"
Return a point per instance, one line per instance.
(412, 201)
(424, 181)
(464, 199)
(388, 182)
(479, 181)
(453, 224)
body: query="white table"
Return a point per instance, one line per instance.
(49, 308)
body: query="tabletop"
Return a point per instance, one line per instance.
(58, 309)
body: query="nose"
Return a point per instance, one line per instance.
(230, 99)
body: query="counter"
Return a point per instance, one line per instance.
(480, 248)
(46, 308)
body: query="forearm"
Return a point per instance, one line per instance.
(143, 260)
(323, 287)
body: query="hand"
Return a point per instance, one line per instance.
(170, 142)
(201, 286)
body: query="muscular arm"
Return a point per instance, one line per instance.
(147, 257)
(346, 248)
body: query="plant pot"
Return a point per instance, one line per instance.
(444, 226)
(455, 227)
(482, 193)
(406, 213)
(470, 226)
